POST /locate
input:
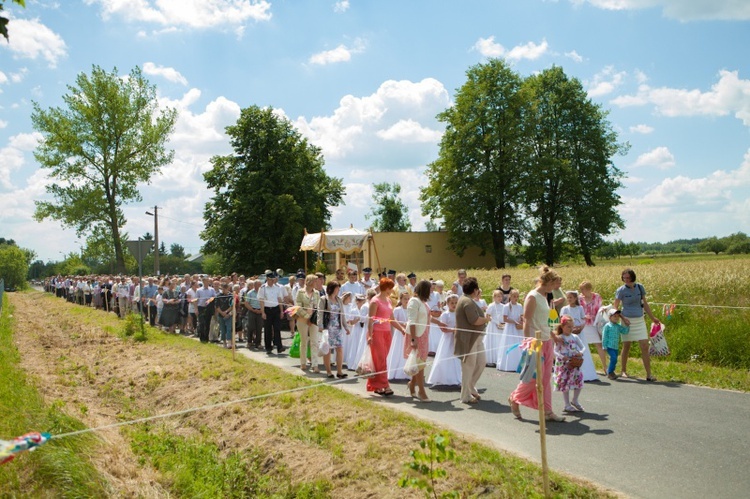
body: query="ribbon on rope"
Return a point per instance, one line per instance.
(9, 449)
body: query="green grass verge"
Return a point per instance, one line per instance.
(61, 469)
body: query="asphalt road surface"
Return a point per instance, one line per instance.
(650, 440)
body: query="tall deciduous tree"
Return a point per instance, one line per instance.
(389, 214)
(476, 184)
(572, 182)
(109, 138)
(265, 194)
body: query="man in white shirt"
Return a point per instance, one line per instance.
(353, 286)
(367, 281)
(271, 296)
(206, 307)
(123, 296)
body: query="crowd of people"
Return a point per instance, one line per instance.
(379, 321)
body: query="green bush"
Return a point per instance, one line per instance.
(13, 266)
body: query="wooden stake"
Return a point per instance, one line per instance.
(542, 420)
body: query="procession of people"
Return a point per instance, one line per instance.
(387, 326)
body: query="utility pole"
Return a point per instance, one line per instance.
(155, 214)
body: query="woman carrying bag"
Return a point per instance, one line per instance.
(332, 317)
(307, 323)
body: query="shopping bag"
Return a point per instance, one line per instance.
(366, 367)
(528, 370)
(411, 367)
(324, 347)
(657, 341)
(294, 350)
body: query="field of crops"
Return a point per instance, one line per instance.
(709, 323)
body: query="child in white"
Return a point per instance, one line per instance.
(364, 316)
(509, 355)
(350, 354)
(565, 376)
(434, 305)
(159, 304)
(396, 360)
(494, 329)
(446, 368)
(577, 312)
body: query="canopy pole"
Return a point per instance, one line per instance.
(375, 246)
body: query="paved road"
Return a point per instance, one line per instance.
(650, 440)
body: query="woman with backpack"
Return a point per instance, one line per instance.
(632, 297)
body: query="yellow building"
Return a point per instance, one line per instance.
(414, 251)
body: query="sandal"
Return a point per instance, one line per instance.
(381, 392)
(329, 376)
(578, 406)
(342, 376)
(515, 408)
(551, 416)
(651, 378)
(425, 400)
(624, 375)
(570, 408)
(387, 392)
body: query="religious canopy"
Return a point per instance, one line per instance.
(345, 241)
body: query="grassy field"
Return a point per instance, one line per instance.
(707, 332)
(316, 442)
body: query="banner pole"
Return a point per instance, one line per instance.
(542, 420)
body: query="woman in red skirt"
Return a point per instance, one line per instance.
(379, 337)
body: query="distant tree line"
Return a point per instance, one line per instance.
(734, 244)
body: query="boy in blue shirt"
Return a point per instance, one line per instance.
(611, 339)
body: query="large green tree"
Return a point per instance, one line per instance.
(109, 138)
(389, 214)
(266, 193)
(476, 184)
(572, 184)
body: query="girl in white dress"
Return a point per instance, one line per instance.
(350, 353)
(364, 316)
(446, 368)
(435, 305)
(495, 328)
(396, 360)
(577, 312)
(512, 334)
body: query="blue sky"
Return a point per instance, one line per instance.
(364, 80)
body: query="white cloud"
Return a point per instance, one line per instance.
(660, 158)
(574, 55)
(341, 6)
(342, 53)
(409, 131)
(641, 128)
(682, 206)
(684, 10)
(3, 124)
(189, 13)
(30, 39)
(357, 119)
(13, 155)
(729, 95)
(605, 82)
(489, 48)
(170, 74)
(3, 78)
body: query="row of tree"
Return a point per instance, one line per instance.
(525, 160)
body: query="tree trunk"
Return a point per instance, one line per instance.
(498, 247)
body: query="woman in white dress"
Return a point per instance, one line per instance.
(509, 355)
(576, 311)
(396, 360)
(355, 317)
(446, 368)
(495, 328)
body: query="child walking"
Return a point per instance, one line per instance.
(568, 377)
(611, 339)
